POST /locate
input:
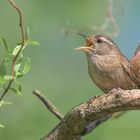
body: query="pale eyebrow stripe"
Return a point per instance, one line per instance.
(106, 40)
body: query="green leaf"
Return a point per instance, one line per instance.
(33, 42)
(18, 93)
(16, 50)
(4, 66)
(27, 66)
(19, 86)
(2, 81)
(4, 103)
(18, 74)
(17, 67)
(7, 77)
(23, 67)
(6, 46)
(29, 40)
(20, 59)
(2, 126)
(17, 89)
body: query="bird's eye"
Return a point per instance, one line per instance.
(99, 40)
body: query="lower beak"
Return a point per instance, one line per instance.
(83, 48)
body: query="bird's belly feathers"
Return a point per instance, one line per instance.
(107, 73)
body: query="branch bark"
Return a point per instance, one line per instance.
(74, 124)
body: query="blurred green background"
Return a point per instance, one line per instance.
(58, 71)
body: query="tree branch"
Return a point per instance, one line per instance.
(17, 8)
(48, 104)
(73, 125)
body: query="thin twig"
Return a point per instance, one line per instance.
(18, 9)
(52, 108)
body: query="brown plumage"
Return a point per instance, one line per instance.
(135, 61)
(107, 66)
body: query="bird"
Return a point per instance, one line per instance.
(108, 67)
(135, 61)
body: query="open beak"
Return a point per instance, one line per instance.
(89, 43)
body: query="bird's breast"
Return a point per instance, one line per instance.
(106, 72)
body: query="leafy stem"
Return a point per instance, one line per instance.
(18, 9)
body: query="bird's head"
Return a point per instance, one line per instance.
(97, 45)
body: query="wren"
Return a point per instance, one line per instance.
(107, 65)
